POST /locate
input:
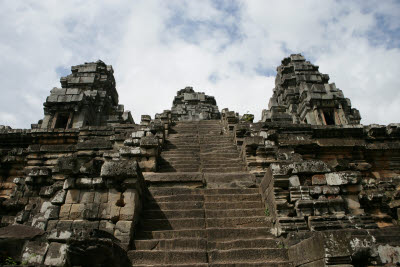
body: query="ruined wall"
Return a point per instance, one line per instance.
(71, 182)
(72, 195)
(321, 179)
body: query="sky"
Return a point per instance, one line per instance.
(228, 49)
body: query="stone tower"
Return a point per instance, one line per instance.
(302, 95)
(189, 105)
(88, 97)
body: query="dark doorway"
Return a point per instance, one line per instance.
(329, 117)
(62, 121)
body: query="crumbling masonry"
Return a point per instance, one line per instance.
(305, 186)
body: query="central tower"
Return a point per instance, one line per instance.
(189, 105)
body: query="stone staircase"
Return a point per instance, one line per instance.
(199, 147)
(218, 222)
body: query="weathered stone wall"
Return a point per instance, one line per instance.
(72, 182)
(319, 179)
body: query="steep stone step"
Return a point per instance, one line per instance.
(179, 165)
(172, 234)
(219, 154)
(226, 234)
(234, 213)
(172, 244)
(171, 169)
(172, 224)
(223, 165)
(172, 214)
(218, 159)
(243, 243)
(239, 222)
(168, 191)
(231, 191)
(216, 145)
(256, 264)
(178, 198)
(222, 169)
(232, 198)
(174, 177)
(193, 150)
(189, 205)
(233, 205)
(252, 255)
(179, 154)
(168, 257)
(193, 158)
(231, 151)
(227, 177)
(172, 265)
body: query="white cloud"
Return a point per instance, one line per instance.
(158, 47)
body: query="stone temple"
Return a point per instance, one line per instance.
(308, 185)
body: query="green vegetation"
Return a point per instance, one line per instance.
(266, 212)
(10, 261)
(248, 117)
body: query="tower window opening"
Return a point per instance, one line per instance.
(329, 117)
(62, 121)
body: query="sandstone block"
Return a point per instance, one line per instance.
(127, 213)
(86, 196)
(64, 211)
(294, 181)
(34, 253)
(330, 190)
(100, 196)
(352, 202)
(59, 197)
(138, 134)
(315, 190)
(114, 196)
(114, 213)
(104, 211)
(76, 211)
(310, 166)
(344, 177)
(123, 228)
(149, 141)
(84, 225)
(69, 183)
(49, 210)
(107, 226)
(91, 211)
(119, 169)
(84, 182)
(318, 179)
(73, 196)
(56, 254)
(58, 235)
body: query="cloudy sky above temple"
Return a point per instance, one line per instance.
(229, 49)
